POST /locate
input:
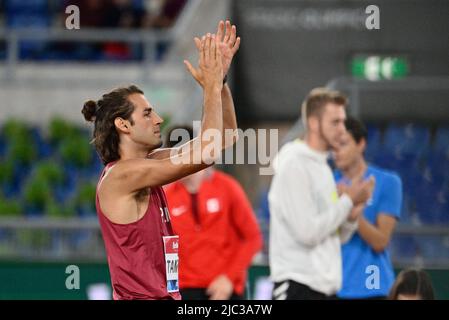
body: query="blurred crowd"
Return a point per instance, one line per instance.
(127, 13)
(93, 13)
(107, 14)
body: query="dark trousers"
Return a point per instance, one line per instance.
(200, 294)
(291, 290)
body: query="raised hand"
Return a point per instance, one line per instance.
(210, 70)
(229, 43)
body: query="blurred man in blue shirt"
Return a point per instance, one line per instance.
(367, 268)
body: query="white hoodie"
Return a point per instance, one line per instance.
(308, 220)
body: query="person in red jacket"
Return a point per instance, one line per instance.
(218, 234)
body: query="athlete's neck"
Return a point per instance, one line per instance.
(355, 171)
(133, 152)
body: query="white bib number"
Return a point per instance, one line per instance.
(171, 244)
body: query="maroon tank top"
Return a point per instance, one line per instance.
(135, 251)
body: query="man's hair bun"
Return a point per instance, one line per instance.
(89, 110)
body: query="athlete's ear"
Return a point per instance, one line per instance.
(121, 125)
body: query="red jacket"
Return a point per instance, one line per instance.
(223, 238)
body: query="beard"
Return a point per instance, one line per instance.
(329, 145)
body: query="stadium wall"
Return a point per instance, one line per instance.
(45, 280)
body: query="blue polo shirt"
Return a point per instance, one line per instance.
(365, 272)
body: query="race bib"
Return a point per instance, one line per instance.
(171, 262)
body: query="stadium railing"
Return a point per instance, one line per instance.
(149, 38)
(53, 239)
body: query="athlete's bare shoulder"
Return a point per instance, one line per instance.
(118, 203)
(115, 176)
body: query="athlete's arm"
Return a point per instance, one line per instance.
(230, 135)
(165, 153)
(229, 43)
(229, 122)
(134, 174)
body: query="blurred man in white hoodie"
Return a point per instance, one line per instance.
(309, 220)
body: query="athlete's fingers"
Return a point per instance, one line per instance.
(203, 48)
(197, 43)
(218, 50)
(191, 69)
(220, 30)
(233, 36)
(227, 32)
(207, 48)
(236, 46)
(213, 48)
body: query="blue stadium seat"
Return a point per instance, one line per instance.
(443, 215)
(436, 167)
(443, 205)
(441, 143)
(406, 139)
(97, 166)
(2, 146)
(445, 247)
(30, 13)
(411, 182)
(20, 5)
(72, 176)
(63, 193)
(404, 246)
(374, 142)
(404, 164)
(406, 211)
(43, 148)
(13, 190)
(432, 247)
(28, 20)
(432, 204)
(385, 160)
(14, 6)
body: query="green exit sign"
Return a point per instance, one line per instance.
(379, 67)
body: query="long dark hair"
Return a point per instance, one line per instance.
(103, 113)
(413, 282)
